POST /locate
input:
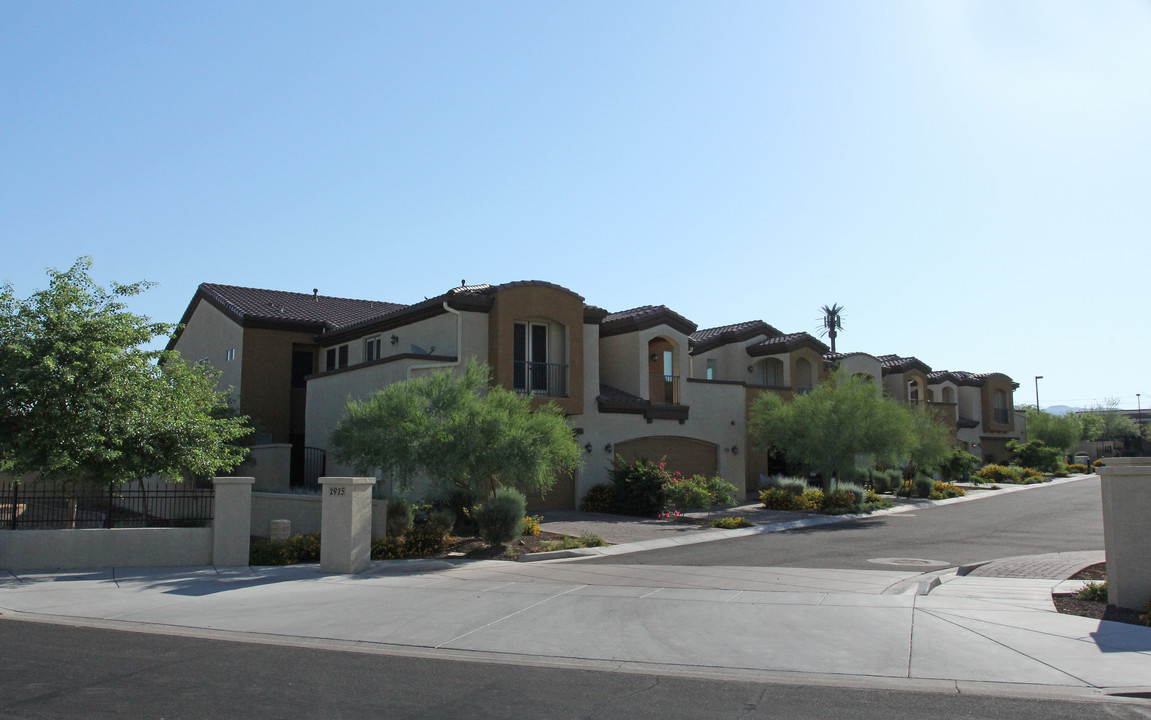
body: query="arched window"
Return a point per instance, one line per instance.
(999, 400)
(804, 377)
(913, 392)
(948, 395)
(771, 372)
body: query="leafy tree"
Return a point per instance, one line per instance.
(1104, 421)
(832, 322)
(81, 399)
(825, 429)
(459, 432)
(958, 465)
(1055, 431)
(931, 442)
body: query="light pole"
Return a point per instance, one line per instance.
(1037, 379)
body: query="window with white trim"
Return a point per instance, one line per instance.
(372, 348)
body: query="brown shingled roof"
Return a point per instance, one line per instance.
(642, 318)
(257, 307)
(898, 364)
(786, 343)
(710, 338)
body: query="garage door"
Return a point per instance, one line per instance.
(560, 497)
(688, 455)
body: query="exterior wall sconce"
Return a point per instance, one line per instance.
(395, 339)
(735, 450)
(587, 448)
(607, 448)
(654, 357)
(749, 368)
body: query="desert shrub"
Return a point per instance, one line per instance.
(882, 481)
(572, 543)
(793, 485)
(387, 548)
(731, 523)
(400, 517)
(442, 519)
(1034, 453)
(997, 474)
(811, 499)
(500, 519)
(1093, 591)
(838, 501)
(296, 549)
(1061, 472)
(946, 490)
(854, 490)
(923, 486)
(1095, 465)
(459, 502)
(958, 465)
(532, 524)
(1077, 468)
(697, 492)
(779, 499)
(599, 499)
(425, 538)
(1031, 476)
(639, 487)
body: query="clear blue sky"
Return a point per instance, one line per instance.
(972, 180)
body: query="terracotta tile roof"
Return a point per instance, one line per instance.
(644, 317)
(962, 377)
(704, 340)
(787, 343)
(898, 364)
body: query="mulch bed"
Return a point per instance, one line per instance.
(1070, 604)
(474, 548)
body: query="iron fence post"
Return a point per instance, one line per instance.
(108, 522)
(15, 500)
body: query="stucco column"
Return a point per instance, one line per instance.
(1126, 487)
(231, 520)
(346, 530)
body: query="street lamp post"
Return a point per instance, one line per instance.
(1037, 379)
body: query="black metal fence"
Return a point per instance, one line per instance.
(50, 507)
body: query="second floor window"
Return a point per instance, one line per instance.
(711, 368)
(372, 348)
(535, 369)
(336, 358)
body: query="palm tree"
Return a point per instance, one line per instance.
(832, 322)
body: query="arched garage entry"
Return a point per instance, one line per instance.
(688, 455)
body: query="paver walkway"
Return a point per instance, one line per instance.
(1052, 566)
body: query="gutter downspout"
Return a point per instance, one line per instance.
(459, 346)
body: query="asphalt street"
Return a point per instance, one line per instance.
(1055, 518)
(53, 671)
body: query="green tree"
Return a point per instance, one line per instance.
(82, 399)
(931, 442)
(827, 428)
(459, 432)
(1104, 421)
(1057, 431)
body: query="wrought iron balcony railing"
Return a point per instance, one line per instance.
(538, 378)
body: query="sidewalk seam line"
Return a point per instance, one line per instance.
(510, 615)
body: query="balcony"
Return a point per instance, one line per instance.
(539, 378)
(664, 389)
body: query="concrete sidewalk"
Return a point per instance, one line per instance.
(842, 627)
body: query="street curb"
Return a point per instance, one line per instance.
(659, 544)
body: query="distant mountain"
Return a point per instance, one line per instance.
(1063, 409)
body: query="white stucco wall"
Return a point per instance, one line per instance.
(863, 364)
(210, 334)
(94, 548)
(716, 416)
